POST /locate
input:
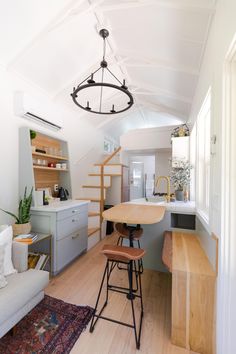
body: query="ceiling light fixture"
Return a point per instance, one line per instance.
(90, 82)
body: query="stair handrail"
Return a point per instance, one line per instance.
(104, 163)
(111, 156)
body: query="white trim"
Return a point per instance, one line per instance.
(226, 261)
(204, 220)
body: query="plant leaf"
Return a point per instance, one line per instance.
(9, 213)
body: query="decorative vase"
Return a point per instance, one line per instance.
(19, 229)
(179, 195)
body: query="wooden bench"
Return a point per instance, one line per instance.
(193, 292)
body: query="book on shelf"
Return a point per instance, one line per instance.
(37, 261)
(33, 260)
(26, 238)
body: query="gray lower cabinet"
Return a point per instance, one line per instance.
(69, 229)
(67, 247)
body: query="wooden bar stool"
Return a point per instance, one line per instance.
(124, 233)
(125, 255)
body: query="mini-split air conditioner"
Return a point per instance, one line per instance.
(40, 111)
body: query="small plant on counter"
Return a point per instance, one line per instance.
(180, 176)
(32, 134)
(23, 217)
(23, 209)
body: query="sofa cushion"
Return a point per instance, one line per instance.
(21, 288)
(3, 281)
(6, 236)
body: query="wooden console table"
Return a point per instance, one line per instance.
(193, 292)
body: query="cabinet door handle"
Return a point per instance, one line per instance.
(75, 236)
(75, 220)
(74, 211)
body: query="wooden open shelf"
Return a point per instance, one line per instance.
(50, 168)
(55, 157)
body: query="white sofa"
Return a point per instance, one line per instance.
(24, 290)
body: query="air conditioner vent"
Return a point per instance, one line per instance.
(41, 112)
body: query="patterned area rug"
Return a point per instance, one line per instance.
(52, 327)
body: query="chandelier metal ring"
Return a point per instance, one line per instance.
(80, 88)
(121, 87)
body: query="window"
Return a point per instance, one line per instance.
(203, 137)
(192, 150)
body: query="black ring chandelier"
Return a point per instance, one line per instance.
(90, 82)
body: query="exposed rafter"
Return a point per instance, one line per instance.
(160, 91)
(179, 5)
(79, 76)
(131, 61)
(68, 12)
(161, 108)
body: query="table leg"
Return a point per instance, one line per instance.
(131, 295)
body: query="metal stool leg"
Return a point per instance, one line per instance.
(131, 298)
(106, 272)
(141, 261)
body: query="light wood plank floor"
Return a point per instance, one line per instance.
(79, 284)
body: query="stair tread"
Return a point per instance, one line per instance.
(91, 199)
(108, 164)
(92, 230)
(92, 213)
(105, 174)
(90, 186)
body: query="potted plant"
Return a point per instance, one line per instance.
(32, 136)
(22, 224)
(180, 177)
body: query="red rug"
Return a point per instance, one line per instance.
(52, 327)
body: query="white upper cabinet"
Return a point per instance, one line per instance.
(180, 148)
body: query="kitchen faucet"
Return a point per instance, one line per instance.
(167, 178)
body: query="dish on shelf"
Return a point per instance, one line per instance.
(37, 167)
(56, 157)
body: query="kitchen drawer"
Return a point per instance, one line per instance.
(72, 211)
(71, 224)
(70, 247)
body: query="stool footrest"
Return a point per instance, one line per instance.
(118, 289)
(115, 321)
(127, 291)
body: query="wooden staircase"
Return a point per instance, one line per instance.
(99, 181)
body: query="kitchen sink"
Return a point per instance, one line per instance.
(156, 199)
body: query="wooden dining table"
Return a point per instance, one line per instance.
(134, 215)
(128, 213)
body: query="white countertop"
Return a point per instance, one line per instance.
(59, 206)
(176, 207)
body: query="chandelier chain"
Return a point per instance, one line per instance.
(101, 92)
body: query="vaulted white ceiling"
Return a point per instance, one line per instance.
(157, 45)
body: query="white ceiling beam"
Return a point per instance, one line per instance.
(162, 65)
(118, 117)
(142, 115)
(210, 19)
(159, 91)
(177, 5)
(119, 61)
(76, 79)
(144, 61)
(161, 108)
(66, 14)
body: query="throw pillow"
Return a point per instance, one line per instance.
(3, 281)
(6, 236)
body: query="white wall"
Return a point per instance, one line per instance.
(221, 34)
(149, 138)
(80, 134)
(163, 168)
(220, 37)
